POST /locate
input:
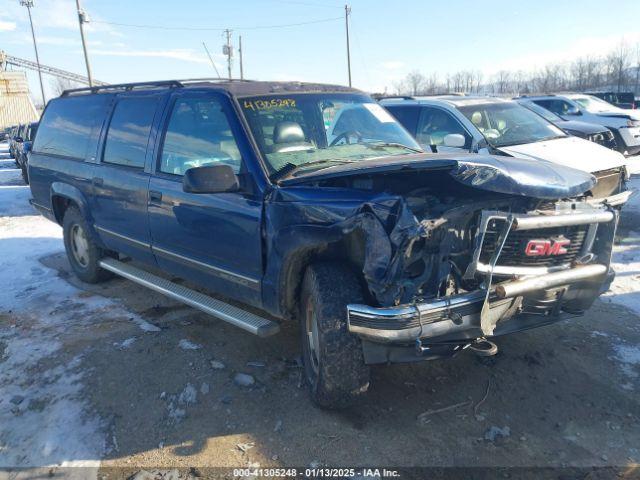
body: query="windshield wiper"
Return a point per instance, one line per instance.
(290, 168)
(378, 145)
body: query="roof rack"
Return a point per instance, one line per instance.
(212, 79)
(121, 86)
(131, 86)
(385, 97)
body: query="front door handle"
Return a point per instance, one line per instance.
(155, 197)
(97, 181)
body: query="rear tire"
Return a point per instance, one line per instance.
(83, 252)
(25, 173)
(332, 357)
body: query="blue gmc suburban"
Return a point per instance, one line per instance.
(280, 201)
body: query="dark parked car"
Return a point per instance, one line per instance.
(625, 124)
(589, 131)
(381, 252)
(13, 140)
(23, 148)
(619, 99)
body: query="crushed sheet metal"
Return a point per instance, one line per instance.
(517, 176)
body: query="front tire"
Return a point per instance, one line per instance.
(83, 252)
(332, 356)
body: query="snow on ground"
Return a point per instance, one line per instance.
(625, 289)
(44, 419)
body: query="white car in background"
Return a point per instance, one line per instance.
(625, 124)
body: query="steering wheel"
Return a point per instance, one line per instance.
(345, 136)
(511, 129)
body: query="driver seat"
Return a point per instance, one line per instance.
(289, 137)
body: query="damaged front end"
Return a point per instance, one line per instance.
(527, 270)
(478, 249)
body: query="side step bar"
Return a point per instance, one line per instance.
(240, 318)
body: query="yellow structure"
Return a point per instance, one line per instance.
(16, 105)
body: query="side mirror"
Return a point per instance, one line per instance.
(210, 179)
(573, 111)
(454, 140)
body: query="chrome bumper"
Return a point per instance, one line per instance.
(455, 314)
(475, 314)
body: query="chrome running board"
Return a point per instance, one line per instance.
(235, 316)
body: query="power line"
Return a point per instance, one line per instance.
(199, 29)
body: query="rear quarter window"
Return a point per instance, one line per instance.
(67, 124)
(129, 130)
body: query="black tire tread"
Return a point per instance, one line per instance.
(343, 377)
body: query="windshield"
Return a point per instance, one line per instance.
(543, 112)
(504, 124)
(304, 131)
(595, 105)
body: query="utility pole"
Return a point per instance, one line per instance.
(29, 4)
(228, 51)
(240, 55)
(211, 59)
(347, 12)
(82, 19)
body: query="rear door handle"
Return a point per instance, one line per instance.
(155, 197)
(97, 181)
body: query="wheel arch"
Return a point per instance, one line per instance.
(63, 196)
(348, 249)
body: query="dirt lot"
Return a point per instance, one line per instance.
(116, 376)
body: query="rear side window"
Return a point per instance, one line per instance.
(128, 133)
(435, 124)
(407, 116)
(66, 126)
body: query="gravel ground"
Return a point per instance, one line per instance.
(116, 379)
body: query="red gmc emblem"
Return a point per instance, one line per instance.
(545, 248)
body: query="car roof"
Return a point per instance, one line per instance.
(240, 88)
(451, 100)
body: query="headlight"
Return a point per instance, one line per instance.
(633, 123)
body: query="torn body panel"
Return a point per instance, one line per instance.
(438, 247)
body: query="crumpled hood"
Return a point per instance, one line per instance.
(570, 151)
(519, 176)
(508, 175)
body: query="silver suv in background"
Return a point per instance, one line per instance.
(503, 127)
(625, 124)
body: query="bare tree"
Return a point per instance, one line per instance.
(503, 77)
(618, 69)
(59, 85)
(618, 60)
(431, 85)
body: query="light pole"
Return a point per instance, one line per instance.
(347, 11)
(82, 19)
(240, 55)
(29, 4)
(227, 49)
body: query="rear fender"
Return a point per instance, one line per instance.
(64, 191)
